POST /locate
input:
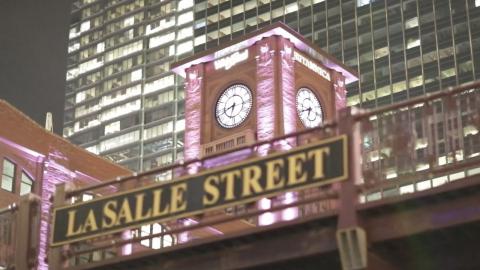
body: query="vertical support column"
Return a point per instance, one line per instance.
(26, 240)
(351, 238)
(288, 109)
(266, 117)
(287, 86)
(55, 260)
(193, 113)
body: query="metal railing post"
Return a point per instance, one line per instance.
(351, 237)
(27, 232)
(55, 257)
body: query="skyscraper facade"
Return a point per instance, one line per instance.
(400, 48)
(122, 101)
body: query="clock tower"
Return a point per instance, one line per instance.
(265, 84)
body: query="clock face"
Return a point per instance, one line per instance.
(308, 108)
(233, 106)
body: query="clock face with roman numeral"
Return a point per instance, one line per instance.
(308, 108)
(233, 106)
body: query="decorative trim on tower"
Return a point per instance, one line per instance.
(193, 99)
(265, 94)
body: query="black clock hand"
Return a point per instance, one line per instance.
(231, 107)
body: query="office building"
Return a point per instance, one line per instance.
(122, 101)
(401, 49)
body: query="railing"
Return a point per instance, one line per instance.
(19, 233)
(421, 144)
(7, 236)
(407, 147)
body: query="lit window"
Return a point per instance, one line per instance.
(238, 9)
(73, 47)
(180, 125)
(415, 42)
(159, 130)
(185, 18)
(100, 47)
(93, 149)
(200, 40)
(413, 22)
(291, 8)
(159, 84)
(26, 184)
(136, 75)
(8, 175)
(90, 65)
(448, 73)
(415, 81)
(185, 32)
(477, 3)
(124, 50)
(184, 4)
(379, 53)
(184, 47)
(129, 21)
(73, 33)
(72, 73)
(112, 127)
(85, 26)
(120, 110)
(361, 3)
(156, 242)
(160, 40)
(399, 86)
(124, 139)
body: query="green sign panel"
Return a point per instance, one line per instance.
(306, 166)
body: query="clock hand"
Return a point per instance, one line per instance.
(231, 107)
(308, 109)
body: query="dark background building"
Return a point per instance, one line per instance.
(401, 49)
(33, 51)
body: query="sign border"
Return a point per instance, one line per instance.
(343, 138)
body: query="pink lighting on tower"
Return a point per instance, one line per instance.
(193, 89)
(288, 93)
(340, 92)
(53, 174)
(265, 92)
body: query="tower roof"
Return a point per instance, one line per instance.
(249, 39)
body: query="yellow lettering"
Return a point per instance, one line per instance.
(90, 222)
(71, 224)
(274, 179)
(124, 213)
(211, 190)
(229, 178)
(317, 156)
(139, 208)
(251, 175)
(296, 174)
(157, 204)
(109, 214)
(178, 201)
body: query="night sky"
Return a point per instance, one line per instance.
(33, 56)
